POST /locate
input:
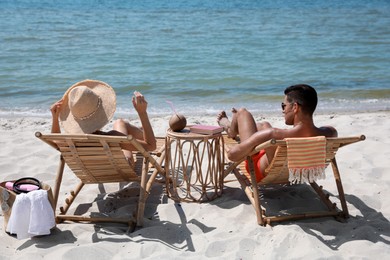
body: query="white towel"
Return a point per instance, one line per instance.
(20, 217)
(32, 215)
(42, 214)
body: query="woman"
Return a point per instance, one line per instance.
(89, 105)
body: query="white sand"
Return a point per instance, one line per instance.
(224, 228)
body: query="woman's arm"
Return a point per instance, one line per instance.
(140, 105)
(55, 111)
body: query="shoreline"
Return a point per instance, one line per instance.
(256, 113)
(263, 107)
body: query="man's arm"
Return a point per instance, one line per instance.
(246, 146)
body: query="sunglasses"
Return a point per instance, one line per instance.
(284, 105)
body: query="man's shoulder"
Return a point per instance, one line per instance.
(328, 131)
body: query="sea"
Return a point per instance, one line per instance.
(196, 57)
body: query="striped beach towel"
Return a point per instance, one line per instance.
(306, 159)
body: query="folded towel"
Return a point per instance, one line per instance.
(31, 215)
(306, 159)
(42, 214)
(20, 217)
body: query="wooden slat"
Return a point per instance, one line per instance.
(90, 159)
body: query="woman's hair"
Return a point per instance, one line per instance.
(304, 95)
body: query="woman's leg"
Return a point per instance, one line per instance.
(126, 128)
(122, 127)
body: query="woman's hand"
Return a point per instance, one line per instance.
(55, 108)
(55, 112)
(139, 102)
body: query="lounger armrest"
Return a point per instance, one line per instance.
(51, 143)
(264, 145)
(343, 141)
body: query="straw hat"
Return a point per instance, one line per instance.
(88, 106)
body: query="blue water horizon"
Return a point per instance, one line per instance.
(203, 56)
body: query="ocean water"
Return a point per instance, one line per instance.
(203, 56)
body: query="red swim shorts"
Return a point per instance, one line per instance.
(256, 160)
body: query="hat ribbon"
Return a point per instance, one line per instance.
(93, 112)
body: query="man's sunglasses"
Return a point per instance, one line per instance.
(284, 105)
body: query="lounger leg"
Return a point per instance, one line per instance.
(60, 173)
(255, 191)
(324, 197)
(158, 169)
(143, 194)
(340, 188)
(71, 198)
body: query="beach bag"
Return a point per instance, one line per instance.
(8, 196)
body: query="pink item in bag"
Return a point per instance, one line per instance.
(9, 185)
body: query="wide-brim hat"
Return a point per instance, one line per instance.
(87, 106)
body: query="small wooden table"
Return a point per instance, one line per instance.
(194, 166)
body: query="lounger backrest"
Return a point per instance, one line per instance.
(277, 171)
(96, 158)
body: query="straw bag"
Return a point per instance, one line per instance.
(7, 199)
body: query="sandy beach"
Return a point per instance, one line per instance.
(224, 228)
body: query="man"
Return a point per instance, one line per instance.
(299, 104)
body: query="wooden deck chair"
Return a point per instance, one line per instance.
(98, 159)
(278, 173)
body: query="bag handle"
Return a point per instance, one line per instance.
(26, 184)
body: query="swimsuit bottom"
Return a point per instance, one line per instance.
(256, 161)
